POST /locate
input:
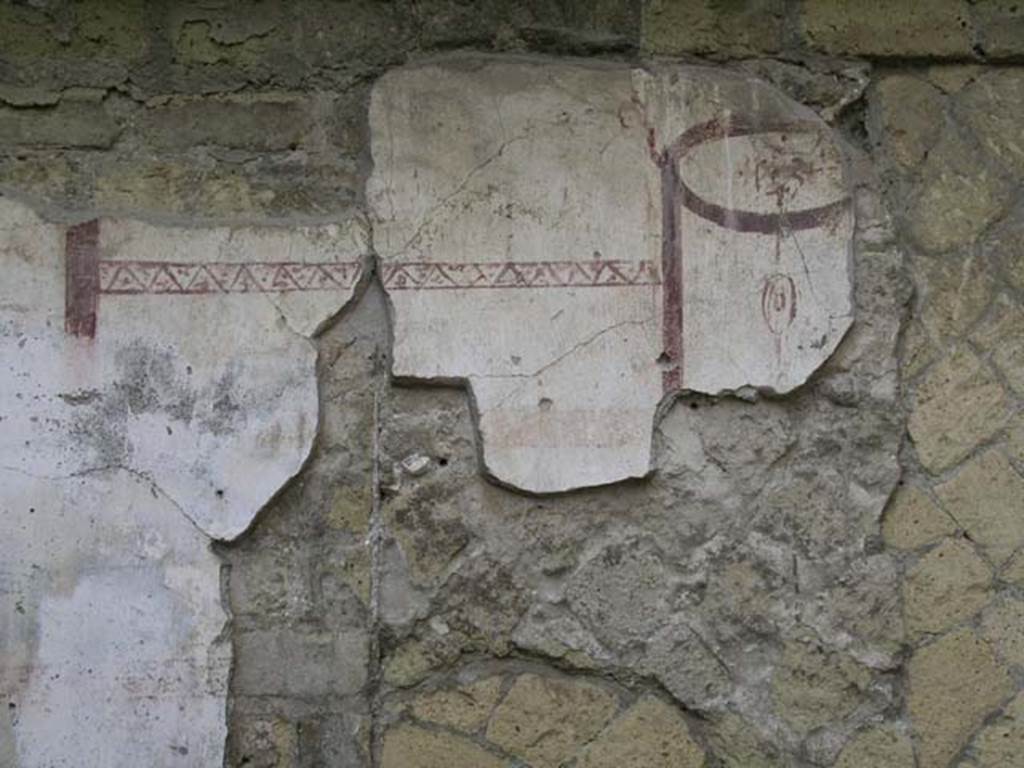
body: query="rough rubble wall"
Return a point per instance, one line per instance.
(750, 604)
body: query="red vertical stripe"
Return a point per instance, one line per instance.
(82, 276)
(671, 276)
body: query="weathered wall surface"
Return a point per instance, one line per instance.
(827, 578)
(156, 394)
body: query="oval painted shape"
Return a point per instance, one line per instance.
(778, 302)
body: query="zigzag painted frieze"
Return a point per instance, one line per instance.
(164, 277)
(135, 277)
(597, 273)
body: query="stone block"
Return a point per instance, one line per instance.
(827, 86)
(90, 43)
(907, 115)
(1002, 624)
(955, 684)
(878, 747)
(466, 708)
(262, 742)
(813, 686)
(956, 291)
(350, 508)
(271, 584)
(406, 746)
(71, 123)
(993, 107)
(214, 47)
(429, 538)
(1004, 249)
(261, 123)
(334, 739)
(176, 188)
(946, 587)
(522, 723)
(707, 27)
(1000, 744)
(912, 520)
(650, 734)
(1000, 28)
(180, 186)
(411, 662)
(1002, 337)
(960, 193)
(737, 744)
(354, 571)
(953, 78)
(292, 662)
(1015, 440)
(46, 176)
(958, 404)
(917, 350)
(894, 29)
(1013, 570)
(574, 26)
(622, 593)
(987, 499)
(687, 667)
(552, 632)
(864, 606)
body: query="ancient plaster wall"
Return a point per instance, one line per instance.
(830, 577)
(159, 388)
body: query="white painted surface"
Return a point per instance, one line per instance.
(486, 171)
(120, 457)
(110, 605)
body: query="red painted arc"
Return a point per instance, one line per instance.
(675, 193)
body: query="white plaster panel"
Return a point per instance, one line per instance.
(578, 242)
(111, 617)
(153, 399)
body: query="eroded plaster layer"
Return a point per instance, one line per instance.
(158, 389)
(579, 242)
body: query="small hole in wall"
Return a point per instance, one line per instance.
(443, 461)
(694, 406)
(219, 493)
(546, 403)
